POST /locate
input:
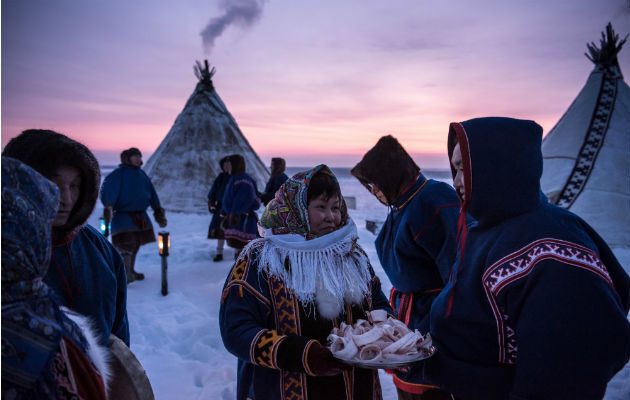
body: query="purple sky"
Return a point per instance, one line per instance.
(316, 81)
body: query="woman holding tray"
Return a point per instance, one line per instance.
(289, 289)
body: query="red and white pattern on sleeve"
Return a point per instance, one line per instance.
(518, 265)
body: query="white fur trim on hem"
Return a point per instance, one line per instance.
(98, 354)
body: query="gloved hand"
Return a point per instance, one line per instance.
(160, 216)
(233, 219)
(322, 363)
(212, 207)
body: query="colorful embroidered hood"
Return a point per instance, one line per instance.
(29, 204)
(288, 211)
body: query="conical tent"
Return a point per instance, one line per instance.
(186, 163)
(587, 154)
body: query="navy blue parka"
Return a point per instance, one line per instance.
(537, 304)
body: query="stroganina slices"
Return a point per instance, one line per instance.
(383, 340)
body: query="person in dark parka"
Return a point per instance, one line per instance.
(240, 203)
(126, 194)
(278, 177)
(537, 303)
(45, 353)
(215, 198)
(416, 245)
(86, 271)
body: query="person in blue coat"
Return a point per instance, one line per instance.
(45, 354)
(417, 244)
(86, 271)
(240, 203)
(215, 198)
(537, 304)
(278, 177)
(126, 194)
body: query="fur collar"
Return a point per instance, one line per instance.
(97, 353)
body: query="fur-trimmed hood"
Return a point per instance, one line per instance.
(45, 151)
(388, 166)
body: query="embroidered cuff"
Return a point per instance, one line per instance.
(305, 357)
(292, 353)
(264, 348)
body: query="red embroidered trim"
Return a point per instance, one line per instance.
(520, 264)
(415, 388)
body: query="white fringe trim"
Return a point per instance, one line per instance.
(328, 271)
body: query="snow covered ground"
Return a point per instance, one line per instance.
(176, 337)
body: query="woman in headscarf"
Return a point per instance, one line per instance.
(289, 289)
(45, 354)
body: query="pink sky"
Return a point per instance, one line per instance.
(316, 82)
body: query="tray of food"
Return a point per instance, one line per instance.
(381, 343)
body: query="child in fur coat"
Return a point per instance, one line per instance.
(289, 289)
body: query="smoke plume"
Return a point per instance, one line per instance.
(242, 13)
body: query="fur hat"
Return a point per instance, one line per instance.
(125, 155)
(278, 166)
(45, 151)
(238, 164)
(223, 160)
(388, 166)
(133, 151)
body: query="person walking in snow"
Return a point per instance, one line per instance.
(289, 289)
(47, 351)
(86, 271)
(215, 198)
(416, 245)
(278, 177)
(240, 202)
(537, 303)
(126, 194)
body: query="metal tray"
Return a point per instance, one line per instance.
(391, 364)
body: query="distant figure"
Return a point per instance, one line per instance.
(417, 244)
(532, 282)
(278, 177)
(85, 269)
(240, 203)
(47, 351)
(215, 199)
(126, 194)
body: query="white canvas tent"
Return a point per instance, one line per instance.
(186, 162)
(587, 154)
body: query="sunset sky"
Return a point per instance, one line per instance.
(310, 81)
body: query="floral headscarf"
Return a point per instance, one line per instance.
(288, 211)
(327, 271)
(29, 204)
